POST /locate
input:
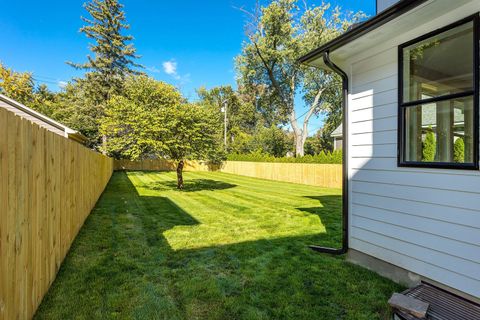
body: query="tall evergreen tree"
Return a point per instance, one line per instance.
(113, 56)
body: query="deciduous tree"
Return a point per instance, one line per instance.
(18, 86)
(152, 120)
(242, 117)
(278, 35)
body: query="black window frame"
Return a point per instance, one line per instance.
(402, 106)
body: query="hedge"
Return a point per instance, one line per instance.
(334, 157)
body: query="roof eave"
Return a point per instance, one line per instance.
(75, 135)
(382, 18)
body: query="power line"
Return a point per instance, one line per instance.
(45, 81)
(45, 77)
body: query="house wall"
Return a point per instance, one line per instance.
(337, 143)
(424, 220)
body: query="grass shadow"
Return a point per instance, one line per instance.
(190, 185)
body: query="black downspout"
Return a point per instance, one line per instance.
(344, 77)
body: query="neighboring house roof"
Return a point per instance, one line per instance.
(337, 133)
(429, 116)
(429, 119)
(361, 29)
(40, 119)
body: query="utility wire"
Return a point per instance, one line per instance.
(45, 81)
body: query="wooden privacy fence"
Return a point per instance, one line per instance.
(48, 186)
(322, 175)
(315, 174)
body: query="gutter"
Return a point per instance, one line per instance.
(343, 75)
(380, 19)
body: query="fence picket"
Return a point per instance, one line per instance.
(48, 186)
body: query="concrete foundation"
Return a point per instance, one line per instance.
(397, 274)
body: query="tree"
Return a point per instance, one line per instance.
(459, 151)
(429, 147)
(135, 121)
(113, 56)
(273, 141)
(151, 119)
(191, 134)
(45, 102)
(242, 117)
(277, 36)
(20, 86)
(319, 142)
(17, 85)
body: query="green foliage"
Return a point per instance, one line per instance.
(17, 85)
(112, 62)
(151, 119)
(241, 114)
(321, 141)
(429, 147)
(190, 134)
(459, 151)
(334, 157)
(277, 36)
(114, 57)
(272, 141)
(135, 121)
(20, 87)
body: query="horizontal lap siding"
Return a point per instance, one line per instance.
(424, 220)
(48, 186)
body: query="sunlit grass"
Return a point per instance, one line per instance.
(251, 212)
(227, 247)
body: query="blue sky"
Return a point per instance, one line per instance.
(188, 43)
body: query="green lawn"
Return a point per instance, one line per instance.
(227, 247)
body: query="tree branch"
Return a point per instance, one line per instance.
(311, 112)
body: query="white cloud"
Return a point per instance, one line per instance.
(62, 84)
(170, 68)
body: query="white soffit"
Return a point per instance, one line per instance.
(408, 21)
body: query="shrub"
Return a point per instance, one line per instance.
(459, 151)
(429, 147)
(334, 157)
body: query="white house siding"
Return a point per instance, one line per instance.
(424, 220)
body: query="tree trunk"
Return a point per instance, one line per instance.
(180, 174)
(104, 144)
(299, 145)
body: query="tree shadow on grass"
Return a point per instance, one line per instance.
(190, 185)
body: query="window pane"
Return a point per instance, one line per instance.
(440, 132)
(440, 65)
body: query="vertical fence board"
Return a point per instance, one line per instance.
(3, 212)
(48, 186)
